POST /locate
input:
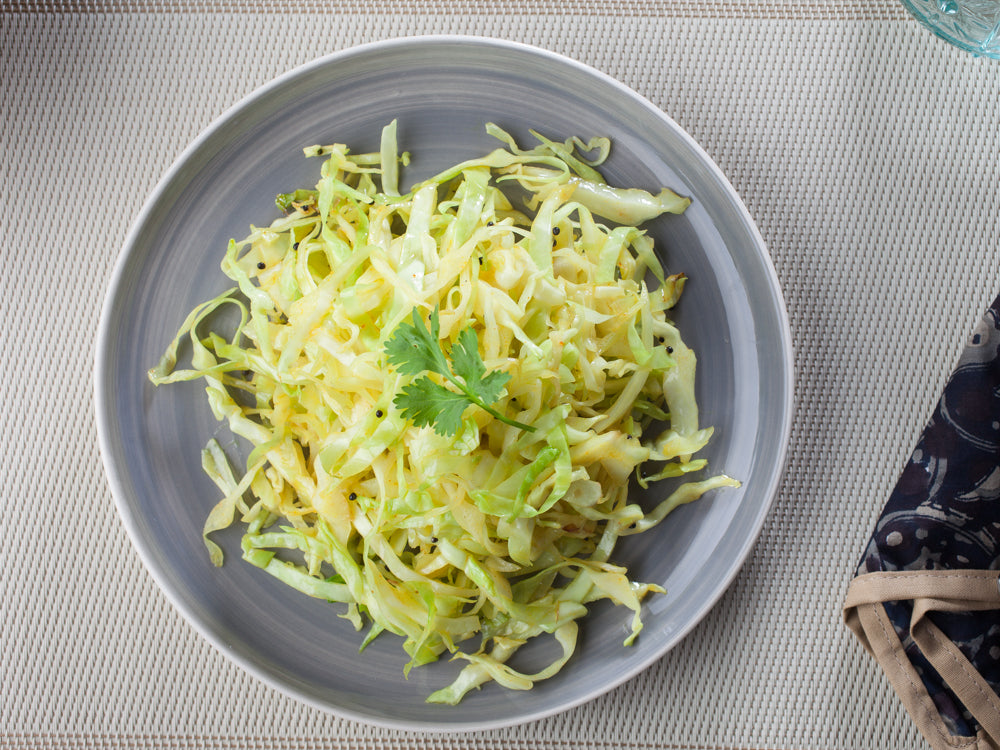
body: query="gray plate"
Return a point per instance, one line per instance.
(442, 90)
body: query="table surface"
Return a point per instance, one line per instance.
(865, 149)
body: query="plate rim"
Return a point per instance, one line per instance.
(102, 397)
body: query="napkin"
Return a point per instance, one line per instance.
(925, 600)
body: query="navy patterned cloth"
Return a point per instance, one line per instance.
(944, 513)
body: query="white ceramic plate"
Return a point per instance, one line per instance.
(442, 90)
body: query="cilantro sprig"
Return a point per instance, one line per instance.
(413, 349)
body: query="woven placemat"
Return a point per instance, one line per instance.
(866, 10)
(863, 146)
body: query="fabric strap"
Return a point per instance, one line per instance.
(930, 591)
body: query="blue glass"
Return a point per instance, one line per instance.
(972, 25)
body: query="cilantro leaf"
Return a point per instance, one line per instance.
(430, 404)
(466, 361)
(468, 365)
(492, 385)
(414, 348)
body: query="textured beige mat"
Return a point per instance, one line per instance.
(797, 9)
(866, 151)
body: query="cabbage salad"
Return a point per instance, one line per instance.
(448, 391)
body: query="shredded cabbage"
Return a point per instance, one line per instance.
(495, 530)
